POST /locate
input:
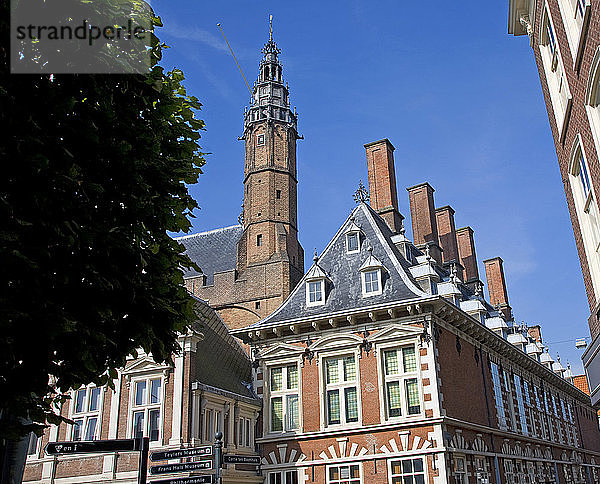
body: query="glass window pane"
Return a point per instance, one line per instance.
(419, 479)
(291, 477)
(334, 473)
(80, 400)
(138, 425)
(293, 413)
(276, 414)
(333, 407)
(155, 386)
(90, 428)
(408, 359)
(396, 467)
(292, 377)
(352, 242)
(418, 465)
(344, 472)
(276, 379)
(247, 433)
(77, 429)
(154, 424)
(412, 396)
(349, 368)
(140, 392)
(408, 480)
(331, 370)
(94, 399)
(391, 362)
(354, 471)
(314, 291)
(394, 399)
(351, 404)
(407, 466)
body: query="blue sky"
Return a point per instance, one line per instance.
(458, 97)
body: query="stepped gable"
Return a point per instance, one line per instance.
(342, 269)
(213, 251)
(223, 363)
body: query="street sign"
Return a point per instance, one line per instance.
(206, 450)
(207, 479)
(92, 446)
(185, 467)
(241, 459)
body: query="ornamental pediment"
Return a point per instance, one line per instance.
(280, 350)
(396, 331)
(336, 341)
(144, 364)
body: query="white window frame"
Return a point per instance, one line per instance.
(86, 415)
(498, 396)
(283, 477)
(36, 452)
(260, 138)
(284, 394)
(521, 404)
(245, 432)
(146, 407)
(319, 302)
(575, 14)
(323, 384)
(345, 480)
(402, 377)
(363, 277)
(586, 208)
(556, 77)
(592, 99)
(356, 234)
(459, 473)
(391, 461)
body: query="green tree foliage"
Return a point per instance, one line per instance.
(94, 174)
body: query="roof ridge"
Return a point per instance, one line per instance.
(212, 231)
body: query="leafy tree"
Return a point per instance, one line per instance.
(94, 174)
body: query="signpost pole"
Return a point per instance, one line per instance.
(143, 466)
(218, 456)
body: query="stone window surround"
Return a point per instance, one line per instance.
(283, 393)
(291, 360)
(160, 406)
(86, 414)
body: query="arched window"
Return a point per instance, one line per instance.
(586, 206)
(592, 99)
(560, 95)
(575, 15)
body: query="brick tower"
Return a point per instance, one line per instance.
(247, 270)
(270, 185)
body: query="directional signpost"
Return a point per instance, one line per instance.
(117, 445)
(206, 450)
(207, 479)
(241, 459)
(185, 467)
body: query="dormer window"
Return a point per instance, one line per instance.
(315, 293)
(353, 237)
(352, 243)
(371, 271)
(372, 282)
(315, 285)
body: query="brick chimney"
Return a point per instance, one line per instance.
(382, 182)
(424, 224)
(497, 285)
(466, 254)
(444, 217)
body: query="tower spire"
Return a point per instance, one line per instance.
(271, 28)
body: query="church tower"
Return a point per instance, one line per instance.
(270, 221)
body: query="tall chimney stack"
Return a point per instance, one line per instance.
(466, 254)
(444, 217)
(382, 182)
(497, 285)
(424, 224)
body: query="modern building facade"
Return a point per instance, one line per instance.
(565, 38)
(384, 366)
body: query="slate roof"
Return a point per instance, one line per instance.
(344, 285)
(213, 251)
(223, 363)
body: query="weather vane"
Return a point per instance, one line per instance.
(362, 194)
